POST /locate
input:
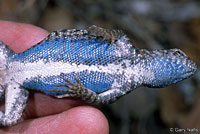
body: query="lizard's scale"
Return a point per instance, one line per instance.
(98, 65)
(50, 66)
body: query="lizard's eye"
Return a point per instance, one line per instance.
(178, 52)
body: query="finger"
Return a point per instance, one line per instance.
(79, 120)
(19, 36)
(40, 105)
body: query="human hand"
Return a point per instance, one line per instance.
(45, 114)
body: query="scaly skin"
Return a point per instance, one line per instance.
(96, 65)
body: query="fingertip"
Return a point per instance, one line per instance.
(20, 36)
(87, 119)
(78, 120)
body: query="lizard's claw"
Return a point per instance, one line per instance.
(76, 90)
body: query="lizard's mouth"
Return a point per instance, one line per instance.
(191, 68)
(169, 67)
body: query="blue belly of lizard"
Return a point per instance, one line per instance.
(72, 51)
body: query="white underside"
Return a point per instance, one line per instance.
(22, 71)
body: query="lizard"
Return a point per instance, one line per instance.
(95, 64)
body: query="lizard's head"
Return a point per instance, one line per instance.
(167, 67)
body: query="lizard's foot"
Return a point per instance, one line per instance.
(77, 90)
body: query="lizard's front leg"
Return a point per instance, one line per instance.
(15, 102)
(78, 90)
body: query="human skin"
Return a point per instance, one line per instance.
(45, 114)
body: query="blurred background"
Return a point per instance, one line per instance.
(150, 24)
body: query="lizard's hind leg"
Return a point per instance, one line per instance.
(77, 90)
(15, 101)
(4, 52)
